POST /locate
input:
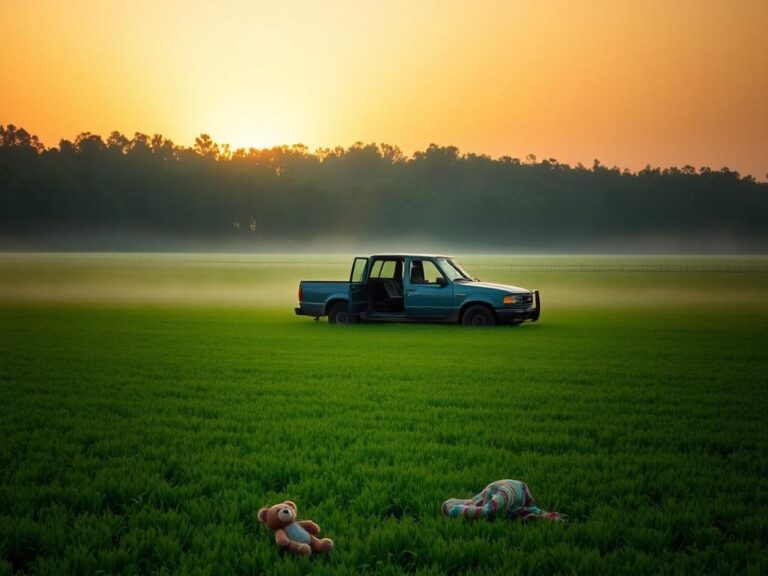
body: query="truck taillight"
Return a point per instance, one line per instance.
(301, 294)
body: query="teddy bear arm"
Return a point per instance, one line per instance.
(282, 538)
(309, 526)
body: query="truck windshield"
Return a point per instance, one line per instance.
(454, 272)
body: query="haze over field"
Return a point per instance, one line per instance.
(270, 281)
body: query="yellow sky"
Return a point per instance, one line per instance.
(668, 82)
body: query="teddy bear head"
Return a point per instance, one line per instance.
(279, 515)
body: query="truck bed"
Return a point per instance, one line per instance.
(316, 294)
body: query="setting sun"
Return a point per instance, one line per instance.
(241, 130)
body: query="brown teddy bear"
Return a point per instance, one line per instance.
(298, 537)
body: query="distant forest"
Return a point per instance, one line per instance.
(120, 191)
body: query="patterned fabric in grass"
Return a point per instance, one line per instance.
(508, 497)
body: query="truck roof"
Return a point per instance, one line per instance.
(411, 254)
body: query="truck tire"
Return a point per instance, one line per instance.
(478, 315)
(338, 313)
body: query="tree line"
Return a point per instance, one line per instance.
(149, 187)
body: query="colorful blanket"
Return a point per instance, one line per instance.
(509, 497)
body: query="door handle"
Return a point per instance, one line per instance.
(410, 291)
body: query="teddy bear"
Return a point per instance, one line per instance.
(296, 536)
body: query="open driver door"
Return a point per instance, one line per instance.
(358, 286)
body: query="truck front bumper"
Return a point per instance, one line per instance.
(511, 316)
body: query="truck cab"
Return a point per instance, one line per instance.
(401, 286)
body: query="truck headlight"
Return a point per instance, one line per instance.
(509, 299)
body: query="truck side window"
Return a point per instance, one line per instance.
(384, 269)
(376, 270)
(388, 269)
(358, 267)
(424, 272)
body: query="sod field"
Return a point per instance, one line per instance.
(150, 404)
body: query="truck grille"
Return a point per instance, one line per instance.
(524, 302)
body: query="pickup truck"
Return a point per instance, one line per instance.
(416, 288)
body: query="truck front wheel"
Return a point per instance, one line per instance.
(478, 315)
(338, 313)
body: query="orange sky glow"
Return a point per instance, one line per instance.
(656, 82)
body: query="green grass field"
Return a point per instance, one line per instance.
(151, 404)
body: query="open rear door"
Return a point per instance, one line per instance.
(358, 286)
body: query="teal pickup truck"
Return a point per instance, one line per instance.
(416, 288)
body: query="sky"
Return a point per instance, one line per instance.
(632, 83)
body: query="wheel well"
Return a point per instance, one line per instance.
(331, 303)
(468, 305)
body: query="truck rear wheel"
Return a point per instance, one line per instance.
(338, 313)
(478, 315)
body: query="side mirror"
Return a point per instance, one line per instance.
(442, 281)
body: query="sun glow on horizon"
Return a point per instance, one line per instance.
(259, 132)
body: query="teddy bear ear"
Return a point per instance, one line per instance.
(291, 504)
(263, 515)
